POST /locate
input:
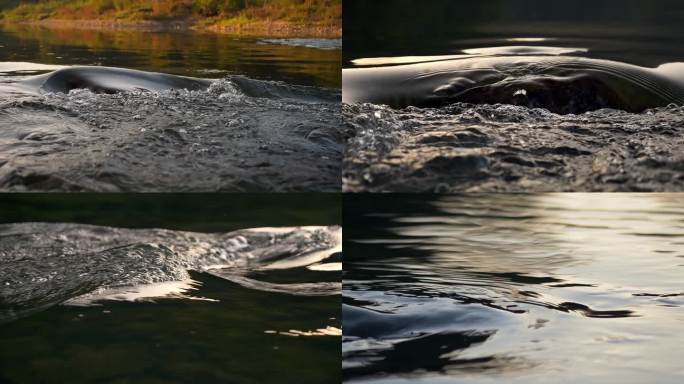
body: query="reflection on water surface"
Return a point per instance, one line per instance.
(177, 52)
(521, 288)
(223, 338)
(482, 128)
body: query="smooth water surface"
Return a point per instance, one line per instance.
(513, 96)
(646, 34)
(209, 325)
(548, 288)
(177, 52)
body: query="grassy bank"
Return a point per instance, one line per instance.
(252, 17)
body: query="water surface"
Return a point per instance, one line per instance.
(208, 329)
(484, 288)
(177, 52)
(458, 122)
(277, 131)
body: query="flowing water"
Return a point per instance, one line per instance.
(504, 96)
(203, 301)
(266, 117)
(547, 288)
(45, 264)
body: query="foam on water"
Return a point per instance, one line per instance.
(465, 147)
(238, 134)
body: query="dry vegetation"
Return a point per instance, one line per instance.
(288, 17)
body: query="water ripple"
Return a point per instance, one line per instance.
(512, 287)
(45, 264)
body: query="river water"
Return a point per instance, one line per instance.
(548, 288)
(513, 96)
(90, 291)
(270, 121)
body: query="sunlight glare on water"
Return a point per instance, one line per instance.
(521, 288)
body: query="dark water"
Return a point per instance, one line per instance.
(513, 95)
(646, 34)
(235, 324)
(547, 288)
(270, 121)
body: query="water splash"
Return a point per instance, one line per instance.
(465, 147)
(45, 264)
(238, 134)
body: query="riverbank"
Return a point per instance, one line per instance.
(255, 29)
(282, 18)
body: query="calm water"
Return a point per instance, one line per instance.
(573, 105)
(548, 288)
(234, 334)
(180, 53)
(630, 31)
(269, 121)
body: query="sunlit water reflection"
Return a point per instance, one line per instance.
(521, 288)
(258, 138)
(192, 326)
(313, 62)
(74, 298)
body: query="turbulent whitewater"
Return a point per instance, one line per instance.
(113, 129)
(513, 119)
(45, 264)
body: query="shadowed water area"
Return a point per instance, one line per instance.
(513, 96)
(547, 288)
(156, 111)
(201, 301)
